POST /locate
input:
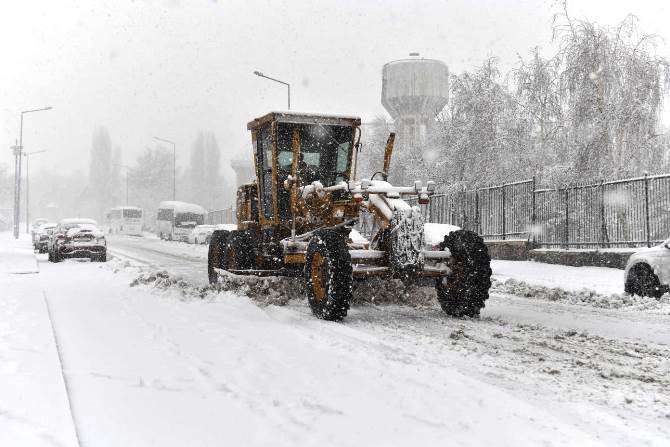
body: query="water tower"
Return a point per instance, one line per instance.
(414, 91)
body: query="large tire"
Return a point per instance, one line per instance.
(329, 275)
(215, 254)
(642, 281)
(56, 256)
(239, 254)
(464, 292)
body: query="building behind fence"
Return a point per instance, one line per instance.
(609, 214)
(621, 213)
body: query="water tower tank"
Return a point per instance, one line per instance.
(414, 91)
(415, 86)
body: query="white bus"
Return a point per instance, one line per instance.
(125, 220)
(175, 220)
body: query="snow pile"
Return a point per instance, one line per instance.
(583, 297)
(380, 291)
(269, 290)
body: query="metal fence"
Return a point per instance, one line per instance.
(224, 216)
(621, 213)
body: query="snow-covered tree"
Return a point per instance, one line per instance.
(205, 171)
(100, 172)
(151, 180)
(613, 84)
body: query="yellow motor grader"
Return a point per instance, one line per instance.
(296, 220)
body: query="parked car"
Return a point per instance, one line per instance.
(648, 271)
(35, 227)
(42, 235)
(77, 238)
(200, 234)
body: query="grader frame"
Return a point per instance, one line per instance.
(296, 217)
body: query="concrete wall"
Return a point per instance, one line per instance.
(579, 258)
(514, 250)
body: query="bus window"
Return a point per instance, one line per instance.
(132, 214)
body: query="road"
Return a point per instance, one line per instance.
(190, 263)
(178, 366)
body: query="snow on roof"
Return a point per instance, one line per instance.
(182, 207)
(78, 220)
(315, 114)
(304, 118)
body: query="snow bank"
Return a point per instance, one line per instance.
(584, 297)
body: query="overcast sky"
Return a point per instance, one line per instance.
(174, 67)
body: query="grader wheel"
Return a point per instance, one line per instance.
(229, 250)
(329, 275)
(464, 292)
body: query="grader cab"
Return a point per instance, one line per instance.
(295, 220)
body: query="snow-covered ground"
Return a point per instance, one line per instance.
(190, 365)
(599, 279)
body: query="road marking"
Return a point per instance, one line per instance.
(60, 364)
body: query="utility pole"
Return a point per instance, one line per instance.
(28, 155)
(258, 73)
(174, 165)
(18, 154)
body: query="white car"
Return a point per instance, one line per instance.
(648, 271)
(200, 234)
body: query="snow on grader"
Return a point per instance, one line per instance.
(295, 220)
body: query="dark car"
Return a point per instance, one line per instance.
(77, 238)
(42, 235)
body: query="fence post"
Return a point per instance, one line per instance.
(533, 215)
(504, 212)
(478, 226)
(646, 207)
(566, 234)
(603, 223)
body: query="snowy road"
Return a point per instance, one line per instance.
(189, 262)
(148, 366)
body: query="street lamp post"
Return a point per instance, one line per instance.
(174, 165)
(258, 73)
(28, 155)
(18, 153)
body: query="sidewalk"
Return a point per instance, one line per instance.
(17, 256)
(600, 279)
(33, 409)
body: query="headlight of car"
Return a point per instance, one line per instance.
(101, 240)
